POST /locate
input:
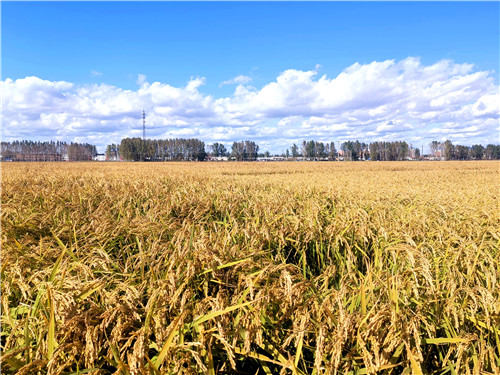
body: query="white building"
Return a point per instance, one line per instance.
(100, 157)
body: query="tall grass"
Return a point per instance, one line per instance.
(296, 268)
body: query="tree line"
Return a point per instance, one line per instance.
(448, 151)
(352, 150)
(314, 150)
(244, 150)
(47, 151)
(390, 151)
(179, 149)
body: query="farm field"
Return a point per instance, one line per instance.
(245, 268)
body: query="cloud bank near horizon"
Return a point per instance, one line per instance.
(387, 100)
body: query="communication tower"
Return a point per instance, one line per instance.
(143, 125)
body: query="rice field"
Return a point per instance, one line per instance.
(250, 268)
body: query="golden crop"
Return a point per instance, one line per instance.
(333, 267)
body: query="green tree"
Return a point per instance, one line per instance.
(311, 149)
(449, 150)
(435, 146)
(461, 152)
(492, 151)
(332, 151)
(245, 150)
(477, 152)
(352, 150)
(218, 149)
(320, 151)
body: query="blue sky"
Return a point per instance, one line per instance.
(275, 72)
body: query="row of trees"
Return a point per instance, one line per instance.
(351, 150)
(448, 151)
(314, 150)
(137, 149)
(47, 151)
(390, 151)
(244, 150)
(355, 150)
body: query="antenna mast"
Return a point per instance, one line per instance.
(143, 125)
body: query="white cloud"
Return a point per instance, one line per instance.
(141, 79)
(239, 80)
(95, 73)
(381, 100)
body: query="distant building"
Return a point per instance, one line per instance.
(217, 158)
(99, 157)
(271, 158)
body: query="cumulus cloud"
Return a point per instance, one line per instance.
(386, 100)
(95, 73)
